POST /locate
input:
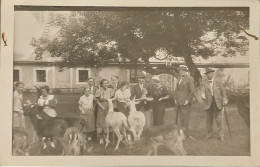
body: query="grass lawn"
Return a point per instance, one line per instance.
(239, 145)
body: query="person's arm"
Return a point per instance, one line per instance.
(132, 90)
(128, 95)
(165, 94)
(191, 87)
(80, 105)
(99, 104)
(175, 90)
(115, 97)
(17, 102)
(53, 102)
(223, 93)
(97, 97)
(40, 102)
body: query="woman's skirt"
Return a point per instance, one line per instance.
(101, 117)
(18, 120)
(89, 117)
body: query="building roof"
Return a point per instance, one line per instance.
(155, 64)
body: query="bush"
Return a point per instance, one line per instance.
(56, 91)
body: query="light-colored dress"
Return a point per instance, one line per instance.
(103, 95)
(18, 117)
(87, 114)
(122, 98)
(44, 103)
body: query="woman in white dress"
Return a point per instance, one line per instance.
(47, 102)
(87, 112)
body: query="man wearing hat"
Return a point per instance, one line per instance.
(214, 100)
(184, 93)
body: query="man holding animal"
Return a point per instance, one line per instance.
(184, 93)
(139, 92)
(214, 100)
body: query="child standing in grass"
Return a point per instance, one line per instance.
(87, 112)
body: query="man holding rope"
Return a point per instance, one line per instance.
(215, 100)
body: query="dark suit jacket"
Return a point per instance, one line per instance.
(184, 90)
(137, 93)
(117, 87)
(95, 88)
(218, 92)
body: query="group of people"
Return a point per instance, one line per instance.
(152, 98)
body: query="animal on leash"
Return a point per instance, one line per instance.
(136, 120)
(52, 127)
(168, 136)
(20, 142)
(75, 141)
(118, 122)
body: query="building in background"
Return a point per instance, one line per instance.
(44, 72)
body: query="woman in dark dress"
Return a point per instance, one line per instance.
(159, 94)
(102, 94)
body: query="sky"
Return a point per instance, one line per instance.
(29, 24)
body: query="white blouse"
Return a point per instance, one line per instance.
(123, 96)
(48, 110)
(86, 101)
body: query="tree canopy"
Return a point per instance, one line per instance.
(132, 35)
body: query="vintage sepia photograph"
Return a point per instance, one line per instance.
(92, 81)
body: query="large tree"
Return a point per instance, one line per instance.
(132, 35)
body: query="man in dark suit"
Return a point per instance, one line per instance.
(114, 83)
(214, 100)
(93, 88)
(184, 93)
(138, 90)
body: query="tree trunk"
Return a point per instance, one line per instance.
(194, 72)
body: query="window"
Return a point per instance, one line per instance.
(40, 75)
(134, 72)
(83, 75)
(16, 75)
(133, 75)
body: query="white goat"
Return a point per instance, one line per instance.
(117, 121)
(136, 120)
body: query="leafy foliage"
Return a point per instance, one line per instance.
(94, 38)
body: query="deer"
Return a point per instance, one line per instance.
(53, 127)
(118, 122)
